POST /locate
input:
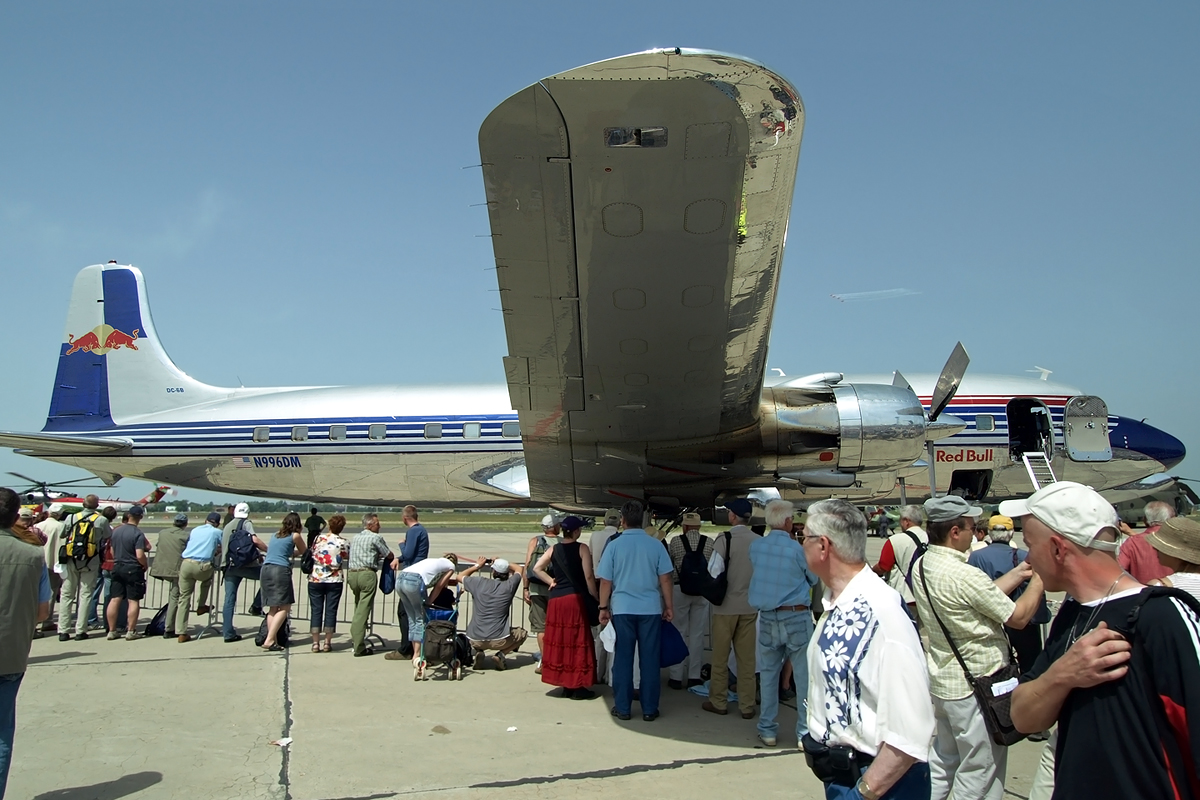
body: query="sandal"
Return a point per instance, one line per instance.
(316, 648)
(327, 648)
(275, 648)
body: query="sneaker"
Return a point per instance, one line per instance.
(499, 661)
(674, 684)
(479, 662)
(537, 669)
(96, 626)
(183, 637)
(134, 636)
(367, 651)
(81, 637)
(768, 741)
(113, 635)
(64, 637)
(710, 708)
(237, 637)
(396, 655)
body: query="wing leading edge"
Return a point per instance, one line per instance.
(638, 209)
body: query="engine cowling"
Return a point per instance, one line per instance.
(873, 427)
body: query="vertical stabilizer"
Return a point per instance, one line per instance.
(111, 368)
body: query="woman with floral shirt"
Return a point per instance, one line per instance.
(330, 551)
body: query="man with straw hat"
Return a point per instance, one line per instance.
(1177, 544)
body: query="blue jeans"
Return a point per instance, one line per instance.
(9, 684)
(913, 786)
(233, 580)
(644, 631)
(411, 589)
(324, 599)
(782, 634)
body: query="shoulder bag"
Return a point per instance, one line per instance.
(992, 692)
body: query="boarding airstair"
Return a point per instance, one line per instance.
(1038, 467)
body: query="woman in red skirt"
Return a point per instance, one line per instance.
(568, 652)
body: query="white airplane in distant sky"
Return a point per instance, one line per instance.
(638, 209)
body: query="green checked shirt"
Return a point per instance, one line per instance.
(972, 608)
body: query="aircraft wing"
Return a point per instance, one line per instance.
(49, 444)
(638, 209)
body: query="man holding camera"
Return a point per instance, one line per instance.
(869, 716)
(489, 628)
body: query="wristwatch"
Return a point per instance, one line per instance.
(604, 608)
(865, 790)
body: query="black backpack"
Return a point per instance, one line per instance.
(81, 545)
(158, 623)
(242, 552)
(441, 645)
(694, 579)
(282, 638)
(922, 547)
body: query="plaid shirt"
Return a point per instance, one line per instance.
(367, 549)
(972, 608)
(781, 575)
(676, 552)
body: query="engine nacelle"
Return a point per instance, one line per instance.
(871, 426)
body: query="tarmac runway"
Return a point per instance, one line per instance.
(99, 720)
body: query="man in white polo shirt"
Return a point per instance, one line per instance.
(869, 716)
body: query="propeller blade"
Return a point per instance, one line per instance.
(899, 381)
(26, 478)
(948, 381)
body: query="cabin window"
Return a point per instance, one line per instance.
(433, 430)
(262, 434)
(337, 433)
(377, 431)
(300, 433)
(511, 430)
(635, 137)
(471, 430)
(985, 423)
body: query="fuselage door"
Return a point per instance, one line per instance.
(1085, 429)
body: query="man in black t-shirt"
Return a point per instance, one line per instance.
(314, 525)
(129, 547)
(1119, 684)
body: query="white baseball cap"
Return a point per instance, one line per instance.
(549, 521)
(500, 566)
(241, 511)
(1071, 509)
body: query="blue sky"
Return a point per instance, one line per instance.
(290, 178)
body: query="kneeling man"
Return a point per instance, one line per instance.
(491, 610)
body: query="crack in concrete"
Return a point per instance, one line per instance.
(284, 777)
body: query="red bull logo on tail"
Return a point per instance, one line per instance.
(101, 339)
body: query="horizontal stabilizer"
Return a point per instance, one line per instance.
(49, 444)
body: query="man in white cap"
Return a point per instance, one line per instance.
(974, 609)
(537, 594)
(1120, 671)
(242, 561)
(492, 598)
(691, 610)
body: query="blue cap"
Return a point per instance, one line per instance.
(741, 507)
(572, 523)
(137, 511)
(213, 517)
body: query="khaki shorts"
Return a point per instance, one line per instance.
(537, 612)
(516, 637)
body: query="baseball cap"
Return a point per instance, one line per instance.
(1071, 509)
(1000, 522)
(213, 518)
(181, 519)
(55, 508)
(549, 521)
(612, 517)
(137, 511)
(1178, 537)
(500, 566)
(27, 513)
(740, 507)
(572, 523)
(241, 511)
(950, 508)
(691, 518)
